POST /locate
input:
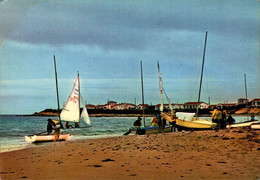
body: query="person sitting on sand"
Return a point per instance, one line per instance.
(252, 118)
(137, 124)
(154, 121)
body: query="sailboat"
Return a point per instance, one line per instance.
(44, 137)
(187, 121)
(71, 109)
(145, 129)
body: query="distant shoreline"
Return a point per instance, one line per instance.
(136, 112)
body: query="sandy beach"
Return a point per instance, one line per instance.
(226, 154)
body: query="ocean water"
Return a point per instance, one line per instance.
(14, 128)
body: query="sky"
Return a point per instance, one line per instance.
(106, 40)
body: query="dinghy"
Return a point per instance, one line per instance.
(45, 138)
(242, 124)
(35, 138)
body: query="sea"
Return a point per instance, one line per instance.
(14, 128)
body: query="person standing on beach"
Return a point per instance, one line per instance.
(49, 126)
(53, 125)
(159, 121)
(223, 119)
(154, 121)
(56, 131)
(216, 116)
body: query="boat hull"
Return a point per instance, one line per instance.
(242, 124)
(255, 126)
(195, 124)
(152, 130)
(45, 138)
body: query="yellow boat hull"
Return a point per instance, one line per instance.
(193, 124)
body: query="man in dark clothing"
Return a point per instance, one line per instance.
(159, 121)
(49, 126)
(137, 124)
(230, 120)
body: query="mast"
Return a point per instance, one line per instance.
(79, 95)
(57, 90)
(142, 84)
(245, 86)
(202, 73)
(160, 86)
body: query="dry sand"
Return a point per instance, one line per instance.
(226, 154)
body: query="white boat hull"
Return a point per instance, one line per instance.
(45, 138)
(255, 126)
(243, 124)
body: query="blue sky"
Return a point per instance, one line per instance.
(105, 41)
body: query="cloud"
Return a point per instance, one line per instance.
(133, 25)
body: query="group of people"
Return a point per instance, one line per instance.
(157, 120)
(221, 118)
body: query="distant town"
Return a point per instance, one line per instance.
(113, 105)
(112, 108)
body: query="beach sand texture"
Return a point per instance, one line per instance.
(226, 154)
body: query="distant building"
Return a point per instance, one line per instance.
(90, 106)
(166, 106)
(140, 106)
(193, 105)
(124, 106)
(255, 102)
(242, 101)
(101, 107)
(225, 105)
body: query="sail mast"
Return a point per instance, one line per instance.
(79, 96)
(142, 91)
(202, 73)
(57, 89)
(160, 86)
(245, 86)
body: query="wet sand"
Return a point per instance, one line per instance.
(226, 154)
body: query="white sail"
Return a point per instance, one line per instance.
(161, 87)
(70, 111)
(84, 113)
